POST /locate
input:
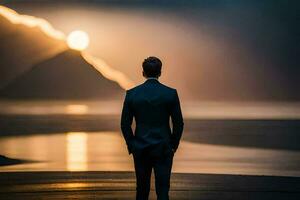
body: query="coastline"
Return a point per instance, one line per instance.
(5, 161)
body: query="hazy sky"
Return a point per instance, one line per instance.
(211, 50)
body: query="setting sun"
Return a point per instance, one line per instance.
(78, 40)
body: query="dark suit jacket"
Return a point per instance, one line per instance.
(152, 104)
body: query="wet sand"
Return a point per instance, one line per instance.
(121, 185)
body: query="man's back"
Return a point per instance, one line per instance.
(152, 143)
(152, 104)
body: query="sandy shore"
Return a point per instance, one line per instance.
(121, 185)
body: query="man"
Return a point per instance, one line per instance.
(153, 144)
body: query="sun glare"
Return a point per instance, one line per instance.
(78, 40)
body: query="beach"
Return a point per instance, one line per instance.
(121, 185)
(83, 156)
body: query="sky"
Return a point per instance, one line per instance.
(211, 50)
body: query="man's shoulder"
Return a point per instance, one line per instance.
(170, 89)
(133, 89)
(161, 86)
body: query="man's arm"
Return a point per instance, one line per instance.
(177, 122)
(126, 122)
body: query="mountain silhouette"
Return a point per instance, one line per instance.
(65, 76)
(22, 47)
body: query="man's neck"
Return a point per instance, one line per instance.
(149, 78)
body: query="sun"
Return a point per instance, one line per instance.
(78, 40)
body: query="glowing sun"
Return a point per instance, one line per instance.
(78, 40)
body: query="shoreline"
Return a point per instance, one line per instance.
(6, 161)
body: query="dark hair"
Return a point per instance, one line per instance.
(152, 66)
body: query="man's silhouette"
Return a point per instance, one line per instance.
(153, 143)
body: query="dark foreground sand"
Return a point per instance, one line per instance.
(121, 185)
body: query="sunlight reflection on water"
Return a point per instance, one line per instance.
(106, 151)
(77, 109)
(76, 151)
(195, 110)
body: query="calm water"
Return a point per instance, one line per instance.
(106, 151)
(42, 131)
(195, 110)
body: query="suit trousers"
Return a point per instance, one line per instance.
(162, 166)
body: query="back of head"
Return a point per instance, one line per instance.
(152, 67)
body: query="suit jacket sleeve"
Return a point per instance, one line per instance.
(126, 122)
(177, 122)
